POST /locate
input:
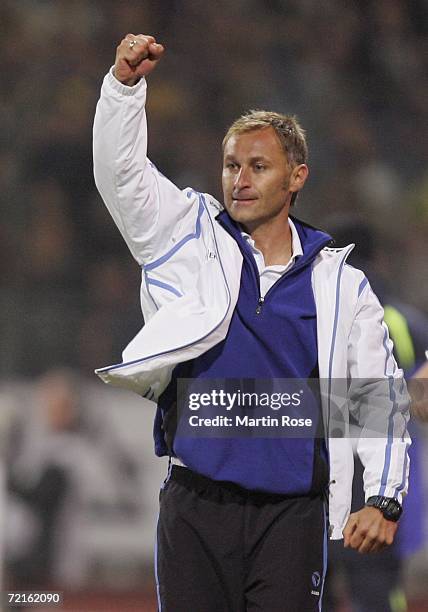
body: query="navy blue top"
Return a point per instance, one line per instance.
(273, 340)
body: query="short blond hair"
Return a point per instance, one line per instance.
(289, 131)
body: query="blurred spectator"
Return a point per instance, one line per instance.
(66, 469)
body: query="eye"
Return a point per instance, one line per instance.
(259, 166)
(230, 165)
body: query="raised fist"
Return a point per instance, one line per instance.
(136, 56)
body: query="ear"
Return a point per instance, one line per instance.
(298, 177)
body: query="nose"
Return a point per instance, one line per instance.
(242, 178)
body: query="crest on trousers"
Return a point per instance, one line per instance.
(316, 581)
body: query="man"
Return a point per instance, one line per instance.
(248, 293)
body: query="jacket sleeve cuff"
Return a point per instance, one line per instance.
(389, 492)
(120, 88)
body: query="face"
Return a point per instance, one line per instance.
(258, 181)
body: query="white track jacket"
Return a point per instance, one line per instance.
(190, 282)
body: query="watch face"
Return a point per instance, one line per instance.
(383, 504)
(393, 510)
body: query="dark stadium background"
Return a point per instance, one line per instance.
(356, 75)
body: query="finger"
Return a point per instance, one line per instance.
(139, 37)
(125, 50)
(134, 48)
(362, 535)
(350, 527)
(368, 544)
(139, 41)
(373, 546)
(137, 52)
(155, 51)
(356, 540)
(375, 538)
(390, 531)
(146, 67)
(147, 37)
(144, 50)
(381, 539)
(142, 44)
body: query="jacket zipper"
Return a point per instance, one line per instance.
(261, 298)
(251, 260)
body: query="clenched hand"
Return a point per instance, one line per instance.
(368, 531)
(136, 56)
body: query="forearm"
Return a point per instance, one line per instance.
(121, 170)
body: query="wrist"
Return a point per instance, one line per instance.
(124, 90)
(389, 506)
(130, 82)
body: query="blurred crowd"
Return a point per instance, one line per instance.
(355, 74)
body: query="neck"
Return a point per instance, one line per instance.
(274, 240)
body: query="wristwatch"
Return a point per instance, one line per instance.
(389, 506)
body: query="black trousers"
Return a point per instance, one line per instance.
(222, 548)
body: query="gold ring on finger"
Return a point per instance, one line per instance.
(132, 43)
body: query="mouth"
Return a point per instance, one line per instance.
(243, 201)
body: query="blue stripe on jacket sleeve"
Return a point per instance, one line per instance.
(392, 397)
(362, 285)
(157, 283)
(333, 339)
(196, 234)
